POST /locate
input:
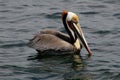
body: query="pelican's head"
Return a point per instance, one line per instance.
(71, 24)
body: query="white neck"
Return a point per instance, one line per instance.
(77, 44)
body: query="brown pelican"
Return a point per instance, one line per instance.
(48, 41)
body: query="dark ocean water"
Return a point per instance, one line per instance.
(21, 19)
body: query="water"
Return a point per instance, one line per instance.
(21, 19)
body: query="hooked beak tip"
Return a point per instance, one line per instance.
(89, 53)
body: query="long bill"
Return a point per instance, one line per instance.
(78, 31)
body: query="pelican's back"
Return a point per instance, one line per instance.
(51, 40)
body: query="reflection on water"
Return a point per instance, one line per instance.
(78, 73)
(78, 76)
(75, 61)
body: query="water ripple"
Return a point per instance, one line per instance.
(21, 19)
(117, 15)
(54, 16)
(89, 13)
(97, 6)
(11, 45)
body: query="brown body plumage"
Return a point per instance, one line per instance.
(49, 42)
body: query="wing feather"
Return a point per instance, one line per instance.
(51, 40)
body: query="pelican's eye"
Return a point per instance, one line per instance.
(74, 21)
